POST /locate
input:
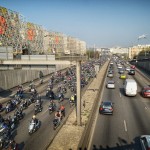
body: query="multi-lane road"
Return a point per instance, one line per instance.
(41, 138)
(131, 118)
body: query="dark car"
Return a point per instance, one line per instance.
(145, 91)
(106, 108)
(132, 72)
(145, 142)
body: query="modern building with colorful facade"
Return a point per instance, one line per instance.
(26, 38)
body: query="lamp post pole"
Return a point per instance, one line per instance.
(78, 72)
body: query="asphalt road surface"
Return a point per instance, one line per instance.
(42, 137)
(131, 118)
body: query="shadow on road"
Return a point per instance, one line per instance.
(21, 146)
(5, 93)
(121, 145)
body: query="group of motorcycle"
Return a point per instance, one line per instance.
(7, 130)
(67, 80)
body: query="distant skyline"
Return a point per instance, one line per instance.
(103, 23)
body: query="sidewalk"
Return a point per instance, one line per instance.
(70, 134)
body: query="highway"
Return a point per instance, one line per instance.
(44, 135)
(131, 118)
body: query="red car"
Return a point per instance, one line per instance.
(145, 91)
(132, 67)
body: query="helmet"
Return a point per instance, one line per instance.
(33, 117)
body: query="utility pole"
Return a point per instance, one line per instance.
(78, 72)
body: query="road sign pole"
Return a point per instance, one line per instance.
(78, 72)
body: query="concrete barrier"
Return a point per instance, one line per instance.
(70, 134)
(143, 65)
(12, 78)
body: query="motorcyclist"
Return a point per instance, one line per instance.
(34, 119)
(25, 103)
(61, 95)
(38, 107)
(58, 116)
(13, 145)
(18, 112)
(38, 102)
(52, 104)
(51, 94)
(72, 99)
(62, 109)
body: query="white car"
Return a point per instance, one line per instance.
(145, 142)
(110, 84)
(127, 68)
(110, 75)
(119, 67)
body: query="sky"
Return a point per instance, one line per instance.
(100, 23)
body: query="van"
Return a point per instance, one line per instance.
(130, 87)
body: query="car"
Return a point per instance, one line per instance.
(119, 67)
(121, 71)
(122, 76)
(110, 71)
(131, 72)
(110, 75)
(145, 142)
(132, 67)
(145, 92)
(127, 68)
(106, 107)
(110, 84)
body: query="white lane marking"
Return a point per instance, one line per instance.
(120, 94)
(45, 111)
(125, 126)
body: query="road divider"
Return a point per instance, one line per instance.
(72, 136)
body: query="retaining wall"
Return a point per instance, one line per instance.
(143, 65)
(12, 78)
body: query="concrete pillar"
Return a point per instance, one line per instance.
(78, 72)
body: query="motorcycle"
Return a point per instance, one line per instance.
(64, 90)
(19, 94)
(47, 92)
(60, 99)
(51, 108)
(33, 126)
(13, 145)
(23, 106)
(37, 109)
(56, 123)
(4, 140)
(18, 115)
(8, 108)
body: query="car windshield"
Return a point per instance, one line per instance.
(111, 82)
(107, 104)
(147, 91)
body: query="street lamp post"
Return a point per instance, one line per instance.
(78, 72)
